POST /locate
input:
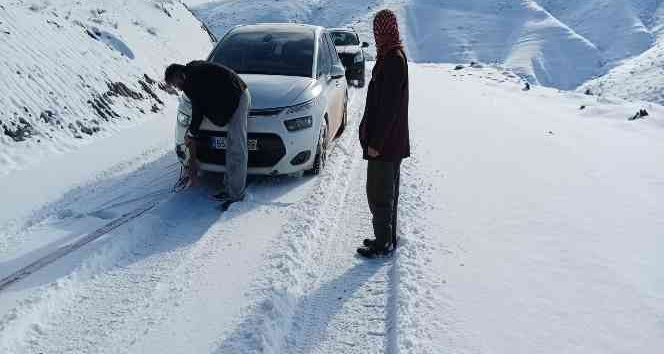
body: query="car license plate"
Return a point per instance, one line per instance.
(219, 143)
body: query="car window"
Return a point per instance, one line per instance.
(324, 59)
(275, 53)
(332, 49)
(342, 38)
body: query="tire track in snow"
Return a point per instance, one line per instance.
(347, 309)
(293, 258)
(366, 306)
(318, 297)
(121, 289)
(135, 278)
(73, 246)
(355, 305)
(409, 275)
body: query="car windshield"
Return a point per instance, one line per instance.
(273, 53)
(344, 38)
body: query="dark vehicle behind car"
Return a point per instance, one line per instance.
(351, 52)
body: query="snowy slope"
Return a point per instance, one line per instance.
(517, 34)
(618, 28)
(640, 78)
(632, 37)
(79, 70)
(550, 42)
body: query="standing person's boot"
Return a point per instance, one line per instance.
(237, 156)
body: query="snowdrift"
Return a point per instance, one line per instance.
(74, 71)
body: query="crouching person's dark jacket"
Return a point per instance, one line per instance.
(214, 91)
(384, 126)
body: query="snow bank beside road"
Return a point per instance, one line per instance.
(72, 71)
(541, 231)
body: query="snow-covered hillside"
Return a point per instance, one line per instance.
(83, 70)
(554, 43)
(617, 28)
(73, 71)
(639, 78)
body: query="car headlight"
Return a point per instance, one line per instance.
(301, 123)
(184, 119)
(303, 107)
(358, 58)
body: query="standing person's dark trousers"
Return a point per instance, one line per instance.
(383, 195)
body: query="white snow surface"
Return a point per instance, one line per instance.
(530, 220)
(528, 225)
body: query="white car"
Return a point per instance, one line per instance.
(299, 97)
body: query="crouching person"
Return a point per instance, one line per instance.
(384, 133)
(219, 94)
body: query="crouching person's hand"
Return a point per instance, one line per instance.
(373, 153)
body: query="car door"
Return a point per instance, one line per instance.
(338, 87)
(323, 74)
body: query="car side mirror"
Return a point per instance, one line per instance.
(365, 45)
(338, 71)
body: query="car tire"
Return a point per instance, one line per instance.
(344, 120)
(361, 79)
(360, 83)
(321, 152)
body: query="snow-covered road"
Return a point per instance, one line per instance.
(528, 226)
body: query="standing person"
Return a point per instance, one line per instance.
(219, 94)
(384, 133)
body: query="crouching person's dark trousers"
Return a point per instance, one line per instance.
(383, 195)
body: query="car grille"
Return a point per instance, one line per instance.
(270, 149)
(265, 112)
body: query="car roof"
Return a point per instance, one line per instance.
(276, 27)
(340, 29)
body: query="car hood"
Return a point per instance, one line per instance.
(348, 49)
(272, 91)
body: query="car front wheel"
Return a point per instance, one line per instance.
(360, 79)
(321, 152)
(344, 119)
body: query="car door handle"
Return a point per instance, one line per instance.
(336, 77)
